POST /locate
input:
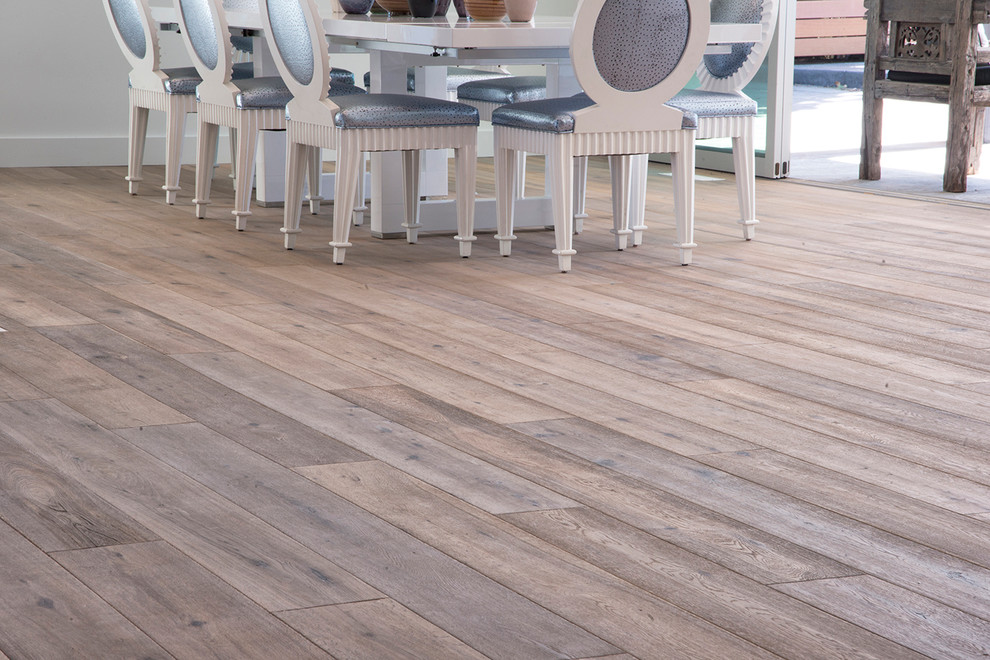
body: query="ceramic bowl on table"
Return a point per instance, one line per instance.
(422, 8)
(485, 10)
(394, 6)
(355, 6)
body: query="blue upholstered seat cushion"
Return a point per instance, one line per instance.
(401, 111)
(341, 76)
(264, 92)
(507, 89)
(183, 80)
(555, 115)
(714, 104)
(456, 76)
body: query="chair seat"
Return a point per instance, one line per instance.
(401, 111)
(504, 90)
(264, 92)
(714, 104)
(982, 76)
(456, 76)
(554, 115)
(341, 77)
(183, 80)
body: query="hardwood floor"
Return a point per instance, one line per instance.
(213, 447)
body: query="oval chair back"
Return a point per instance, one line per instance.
(205, 25)
(730, 72)
(137, 37)
(301, 56)
(641, 53)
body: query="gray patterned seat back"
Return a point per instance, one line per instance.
(201, 30)
(295, 34)
(631, 56)
(137, 37)
(637, 43)
(730, 72)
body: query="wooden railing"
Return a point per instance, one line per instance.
(830, 27)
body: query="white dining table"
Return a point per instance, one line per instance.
(396, 43)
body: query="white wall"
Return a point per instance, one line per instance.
(63, 84)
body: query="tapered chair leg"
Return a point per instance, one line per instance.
(465, 160)
(137, 135)
(744, 162)
(560, 170)
(505, 183)
(206, 153)
(682, 169)
(315, 170)
(580, 192)
(175, 129)
(637, 198)
(295, 168)
(410, 192)
(620, 168)
(247, 149)
(349, 161)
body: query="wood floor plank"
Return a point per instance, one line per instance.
(376, 629)
(256, 426)
(478, 611)
(872, 405)
(862, 547)
(84, 386)
(932, 526)
(183, 607)
(719, 539)
(35, 310)
(276, 571)
(317, 367)
(398, 365)
(968, 460)
(475, 481)
(46, 612)
(54, 511)
(751, 610)
(591, 598)
(13, 387)
(923, 624)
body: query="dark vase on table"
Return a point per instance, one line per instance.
(423, 8)
(461, 9)
(442, 6)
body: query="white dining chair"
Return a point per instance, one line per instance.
(356, 124)
(723, 109)
(245, 106)
(630, 57)
(151, 87)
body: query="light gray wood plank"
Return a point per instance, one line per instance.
(480, 612)
(923, 624)
(270, 567)
(376, 629)
(222, 409)
(56, 512)
(751, 610)
(183, 607)
(581, 592)
(720, 539)
(45, 612)
(475, 481)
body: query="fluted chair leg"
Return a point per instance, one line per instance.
(295, 167)
(620, 169)
(637, 198)
(206, 153)
(410, 188)
(349, 160)
(682, 169)
(137, 135)
(744, 162)
(505, 184)
(362, 201)
(175, 129)
(315, 170)
(580, 191)
(247, 149)
(465, 161)
(560, 168)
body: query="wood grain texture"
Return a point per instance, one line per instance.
(189, 611)
(781, 450)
